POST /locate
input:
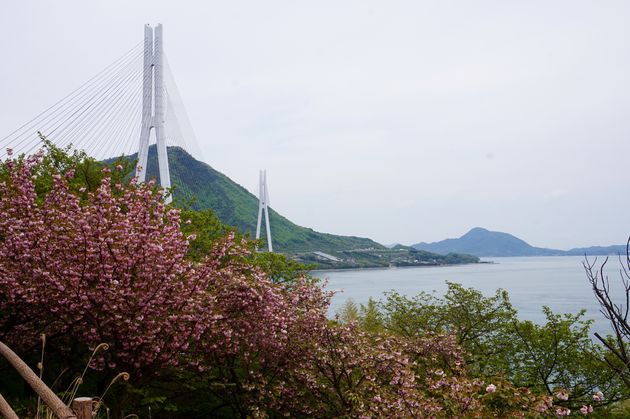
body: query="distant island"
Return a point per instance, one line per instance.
(485, 243)
(398, 256)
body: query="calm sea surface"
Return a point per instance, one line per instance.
(555, 281)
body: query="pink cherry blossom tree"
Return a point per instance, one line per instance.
(108, 265)
(110, 269)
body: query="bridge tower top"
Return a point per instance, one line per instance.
(153, 106)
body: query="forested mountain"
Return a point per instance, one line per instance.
(196, 182)
(484, 243)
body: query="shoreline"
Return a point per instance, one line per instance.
(382, 268)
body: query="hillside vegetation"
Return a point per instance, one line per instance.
(199, 187)
(203, 187)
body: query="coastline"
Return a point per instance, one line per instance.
(383, 268)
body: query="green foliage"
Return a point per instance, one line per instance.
(480, 323)
(456, 258)
(370, 318)
(84, 172)
(280, 268)
(349, 312)
(206, 228)
(558, 354)
(449, 259)
(398, 257)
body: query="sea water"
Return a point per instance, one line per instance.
(558, 282)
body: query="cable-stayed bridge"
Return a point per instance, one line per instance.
(130, 104)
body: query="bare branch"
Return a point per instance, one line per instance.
(615, 313)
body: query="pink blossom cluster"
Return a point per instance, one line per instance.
(346, 372)
(111, 268)
(562, 411)
(586, 409)
(562, 395)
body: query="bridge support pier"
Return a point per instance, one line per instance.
(263, 206)
(153, 107)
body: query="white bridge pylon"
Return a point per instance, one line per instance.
(153, 104)
(263, 206)
(114, 112)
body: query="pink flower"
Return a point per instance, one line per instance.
(562, 395)
(542, 407)
(491, 388)
(563, 411)
(598, 397)
(585, 410)
(119, 167)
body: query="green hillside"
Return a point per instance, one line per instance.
(196, 182)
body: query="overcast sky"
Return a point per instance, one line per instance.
(400, 121)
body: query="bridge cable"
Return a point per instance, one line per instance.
(66, 105)
(28, 127)
(100, 112)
